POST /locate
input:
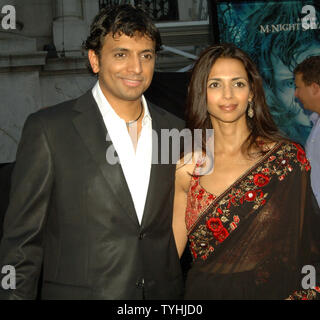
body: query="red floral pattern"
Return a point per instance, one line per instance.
(260, 180)
(219, 231)
(210, 220)
(310, 294)
(198, 200)
(250, 195)
(301, 156)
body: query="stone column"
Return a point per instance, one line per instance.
(69, 27)
(5, 2)
(20, 91)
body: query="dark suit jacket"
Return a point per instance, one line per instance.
(5, 177)
(72, 212)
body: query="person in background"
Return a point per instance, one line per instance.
(249, 221)
(307, 80)
(97, 227)
(250, 26)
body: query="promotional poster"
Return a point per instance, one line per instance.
(278, 35)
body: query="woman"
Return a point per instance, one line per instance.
(249, 221)
(276, 53)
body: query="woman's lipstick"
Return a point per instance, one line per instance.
(228, 107)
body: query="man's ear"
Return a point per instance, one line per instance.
(315, 89)
(94, 61)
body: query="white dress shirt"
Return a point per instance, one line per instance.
(136, 164)
(313, 154)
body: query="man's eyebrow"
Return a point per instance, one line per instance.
(120, 49)
(148, 50)
(127, 50)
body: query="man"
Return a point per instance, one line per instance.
(307, 80)
(5, 173)
(101, 230)
(276, 55)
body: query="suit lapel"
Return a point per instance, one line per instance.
(90, 126)
(160, 173)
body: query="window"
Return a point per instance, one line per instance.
(159, 10)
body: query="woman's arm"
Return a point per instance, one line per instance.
(182, 184)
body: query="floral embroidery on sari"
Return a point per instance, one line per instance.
(310, 294)
(210, 220)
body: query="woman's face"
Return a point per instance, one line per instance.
(228, 91)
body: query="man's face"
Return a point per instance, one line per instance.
(305, 93)
(284, 84)
(125, 67)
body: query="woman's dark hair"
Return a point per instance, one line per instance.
(121, 19)
(197, 117)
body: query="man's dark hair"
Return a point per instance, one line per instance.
(121, 19)
(310, 70)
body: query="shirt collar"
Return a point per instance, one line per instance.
(314, 117)
(107, 110)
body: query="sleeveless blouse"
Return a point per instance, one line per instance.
(252, 241)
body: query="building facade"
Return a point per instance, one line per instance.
(42, 61)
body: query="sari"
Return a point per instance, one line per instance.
(252, 241)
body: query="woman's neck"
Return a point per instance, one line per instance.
(229, 137)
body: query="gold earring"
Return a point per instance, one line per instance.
(250, 110)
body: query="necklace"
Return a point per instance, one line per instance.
(129, 123)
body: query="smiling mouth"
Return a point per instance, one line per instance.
(132, 82)
(229, 107)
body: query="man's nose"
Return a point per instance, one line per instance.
(135, 64)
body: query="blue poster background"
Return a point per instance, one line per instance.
(274, 34)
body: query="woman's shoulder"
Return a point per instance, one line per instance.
(290, 144)
(284, 144)
(187, 164)
(187, 167)
(294, 153)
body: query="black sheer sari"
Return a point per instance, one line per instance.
(252, 241)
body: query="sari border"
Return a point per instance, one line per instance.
(238, 180)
